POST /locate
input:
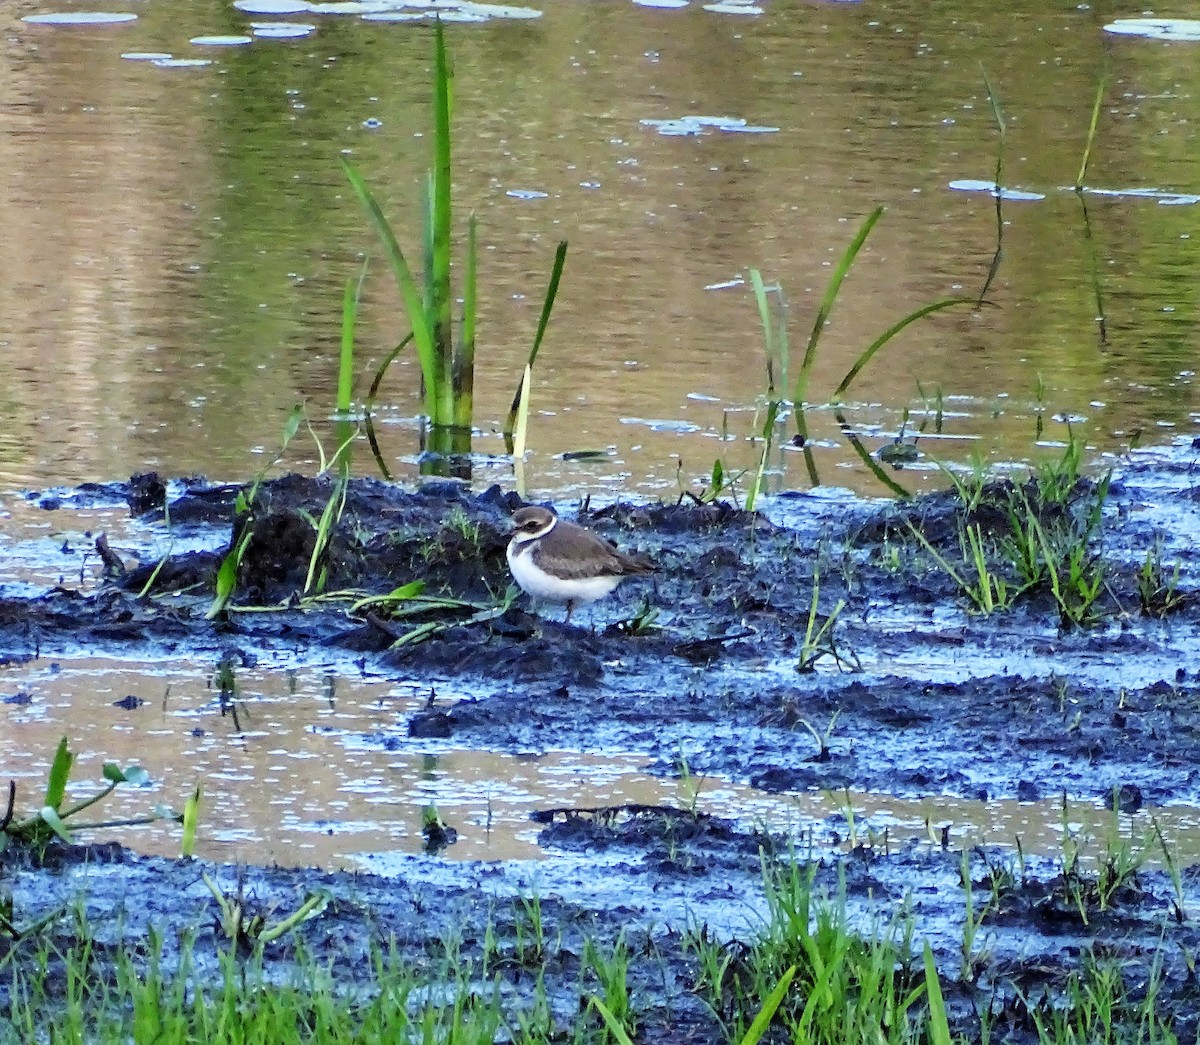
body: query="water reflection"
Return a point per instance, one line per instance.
(179, 238)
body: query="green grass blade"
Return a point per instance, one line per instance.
(998, 116)
(993, 102)
(227, 574)
(518, 439)
(464, 361)
(831, 293)
(191, 818)
(369, 406)
(60, 772)
(767, 1013)
(49, 816)
(764, 317)
(350, 301)
(768, 437)
(1101, 88)
(413, 303)
(869, 352)
(440, 296)
(939, 1027)
(615, 1028)
(560, 259)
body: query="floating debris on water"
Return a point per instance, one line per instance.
(391, 10)
(661, 424)
(282, 30)
(220, 41)
(181, 63)
(271, 7)
(1005, 193)
(685, 126)
(79, 18)
(1182, 29)
(1164, 198)
(734, 7)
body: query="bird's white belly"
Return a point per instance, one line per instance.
(543, 585)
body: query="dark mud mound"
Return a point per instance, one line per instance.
(668, 840)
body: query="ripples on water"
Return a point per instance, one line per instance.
(176, 282)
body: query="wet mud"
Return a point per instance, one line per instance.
(822, 645)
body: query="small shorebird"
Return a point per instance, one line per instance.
(558, 561)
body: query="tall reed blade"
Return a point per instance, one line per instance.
(560, 259)
(827, 302)
(869, 352)
(464, 357)
(350, 300)
(1101, 89)
(522, 412)
(939, 1026)
(345, 389)
(414, 305)
(1093, 259)
(998, 183)
(439, 293)
(764, 317)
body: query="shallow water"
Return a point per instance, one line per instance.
(310, 760)
(314, 766)
(180, 231)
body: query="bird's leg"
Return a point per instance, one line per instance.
(570, 607)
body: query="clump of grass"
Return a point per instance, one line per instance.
(844, 987)
(1039, 537)
(446, 356)
(1098, 1004)
(1158, 583)
(1116, 869)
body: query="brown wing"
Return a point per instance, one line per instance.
(579, 553)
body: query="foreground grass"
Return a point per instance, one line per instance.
(813, 974)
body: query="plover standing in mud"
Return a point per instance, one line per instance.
(558, 561)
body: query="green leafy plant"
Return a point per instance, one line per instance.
(246, 923)
(57, 818)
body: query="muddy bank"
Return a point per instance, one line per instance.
(908, 692)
